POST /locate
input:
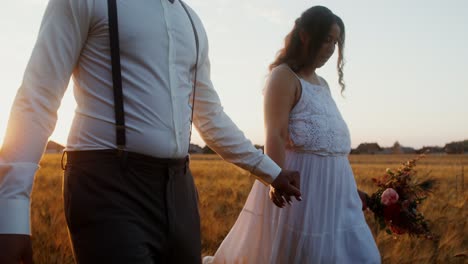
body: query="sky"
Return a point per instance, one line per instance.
(406, 64)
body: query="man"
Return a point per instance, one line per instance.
(138, 205)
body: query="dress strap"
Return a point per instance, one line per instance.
(323, 83)
(289, 68)
(299, 92)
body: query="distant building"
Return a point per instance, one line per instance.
(430, 150)
(396, 149)
(408, 150)
(195, 149)
(457, 147)
(54, 147)
(207, 150)
(367, 148)
(386, 151)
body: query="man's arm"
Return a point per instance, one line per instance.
(224, 137)
(218, 130)
(33, 115)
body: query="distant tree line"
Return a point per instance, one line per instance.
(456, 147)
(459, 147)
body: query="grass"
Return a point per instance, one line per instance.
(223, 189)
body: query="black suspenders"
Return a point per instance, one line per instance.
(196, 67)
(117, 76)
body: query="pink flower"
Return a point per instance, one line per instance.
(389, 196)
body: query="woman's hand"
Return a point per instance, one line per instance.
(364, 199)
(277, 198)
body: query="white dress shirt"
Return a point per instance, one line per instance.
(158, 56)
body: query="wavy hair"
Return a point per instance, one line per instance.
(316, 22)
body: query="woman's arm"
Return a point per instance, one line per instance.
(281, 93)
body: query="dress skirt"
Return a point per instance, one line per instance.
(327, 226)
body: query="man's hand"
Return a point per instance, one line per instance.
(15, 249)
(287, 184)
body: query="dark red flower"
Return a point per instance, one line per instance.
(392, 212)
(397, 230)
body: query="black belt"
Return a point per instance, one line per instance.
(91, 155)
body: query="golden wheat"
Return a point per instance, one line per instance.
(223, 189)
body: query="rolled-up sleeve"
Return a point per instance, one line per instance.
(218, 130)
(62, 34)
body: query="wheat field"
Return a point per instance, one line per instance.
(223, 189)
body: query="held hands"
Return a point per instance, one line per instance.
(15, 249)
(287, 184)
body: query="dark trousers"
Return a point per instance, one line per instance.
(131, 208)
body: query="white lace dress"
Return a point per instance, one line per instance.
(328, 226)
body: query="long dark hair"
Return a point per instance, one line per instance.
(316, 22)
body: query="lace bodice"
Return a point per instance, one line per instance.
(316, 124)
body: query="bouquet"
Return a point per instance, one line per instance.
(396, 201)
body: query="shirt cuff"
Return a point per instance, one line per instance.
(16, 180)
(15, 216)
(267, 170)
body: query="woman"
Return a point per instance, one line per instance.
(306, 132)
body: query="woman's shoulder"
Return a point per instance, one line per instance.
(284, 76)
(283, 81)
(283, 71)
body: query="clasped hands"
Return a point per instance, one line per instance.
(287, 184)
